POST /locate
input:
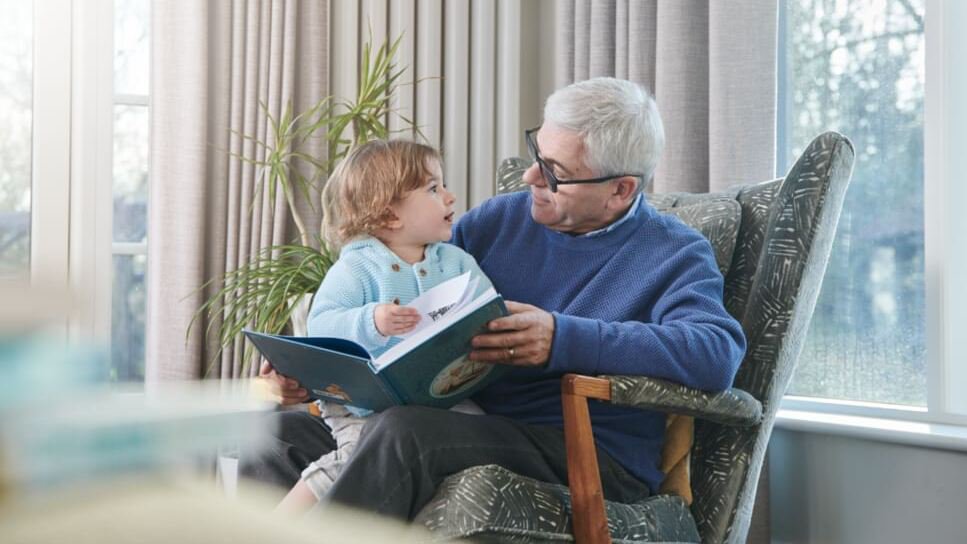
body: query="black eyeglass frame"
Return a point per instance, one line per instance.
(548, 173)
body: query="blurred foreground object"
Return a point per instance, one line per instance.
(82, 460)
(159, 510)
(61, 422)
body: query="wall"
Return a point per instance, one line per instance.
(832, 489)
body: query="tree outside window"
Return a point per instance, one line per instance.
(858, 67)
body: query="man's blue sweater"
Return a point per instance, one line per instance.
(642, 299)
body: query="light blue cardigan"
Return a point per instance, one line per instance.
(369, 273)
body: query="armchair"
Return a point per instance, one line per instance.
(773, 262)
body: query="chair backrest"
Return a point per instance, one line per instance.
(784, 240)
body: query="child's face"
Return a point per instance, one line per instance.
(425, 214)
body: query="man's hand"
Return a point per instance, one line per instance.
(522, 338)
(392, 319)
(288, 390)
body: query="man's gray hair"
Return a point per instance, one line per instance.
(618, 120)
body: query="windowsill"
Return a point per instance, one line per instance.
(912, 433)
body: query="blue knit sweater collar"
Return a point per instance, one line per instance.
(430, 255)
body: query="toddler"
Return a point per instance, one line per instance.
(389, 213)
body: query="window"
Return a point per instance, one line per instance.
(16, 106)
(130, 189)
(858, 67)
(74, 162)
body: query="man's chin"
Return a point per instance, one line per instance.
(540, 214)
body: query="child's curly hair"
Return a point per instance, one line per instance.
(356, 200)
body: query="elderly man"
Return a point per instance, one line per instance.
(597, 282)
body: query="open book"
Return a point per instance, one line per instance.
(429, 367)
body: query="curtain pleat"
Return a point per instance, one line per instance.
(565, 43)
(601, 57)
(681, 90)
(642, 38)
(711, 66)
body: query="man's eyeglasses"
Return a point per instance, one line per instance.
(548, 173)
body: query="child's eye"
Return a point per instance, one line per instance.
(433, 188)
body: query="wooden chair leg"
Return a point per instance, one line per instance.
(588, 515)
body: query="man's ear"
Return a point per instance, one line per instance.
(623, 190)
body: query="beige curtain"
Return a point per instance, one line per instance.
(212, 63)
(711, 65)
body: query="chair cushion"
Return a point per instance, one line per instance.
(676, 457)
(532, 511)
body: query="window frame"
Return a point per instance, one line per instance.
(944, 262)
(72, 189)
(50, 144)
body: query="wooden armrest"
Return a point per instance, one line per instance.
(588, 516)
(589, 519)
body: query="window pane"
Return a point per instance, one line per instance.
(131, 47)
(130, 173)
(127, 318)
(858, 67)
(16, 104)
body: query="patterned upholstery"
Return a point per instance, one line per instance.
(772, 282)
(526, 510)
(733, 407)
(719, 221)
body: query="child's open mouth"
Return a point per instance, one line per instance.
(449, 217)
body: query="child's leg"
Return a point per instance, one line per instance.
(320, 474)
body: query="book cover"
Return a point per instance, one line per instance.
(428, 368)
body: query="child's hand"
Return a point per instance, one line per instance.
(392, 320)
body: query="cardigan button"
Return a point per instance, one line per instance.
(396, 267)
(422, 272)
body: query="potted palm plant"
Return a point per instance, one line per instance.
(271, 292)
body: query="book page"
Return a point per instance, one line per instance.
(428, 331)
(436, 302)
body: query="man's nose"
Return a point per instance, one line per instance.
(533, 175)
